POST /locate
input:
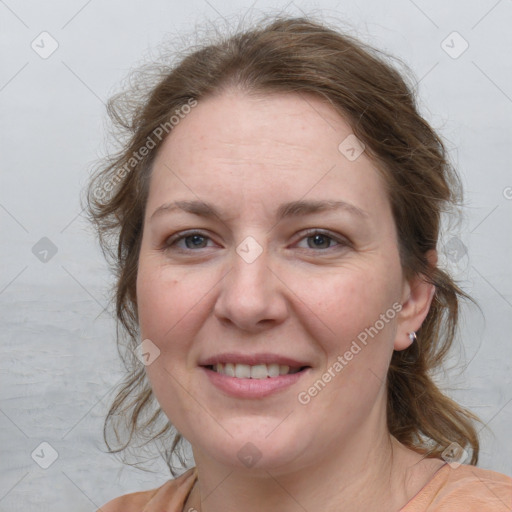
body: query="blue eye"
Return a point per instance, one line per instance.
(193, 240)
(320, 240)
(316, 240)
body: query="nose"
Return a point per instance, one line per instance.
(252, 295)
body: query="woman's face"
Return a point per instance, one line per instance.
(271, 280)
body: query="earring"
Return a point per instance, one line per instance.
(412, 336)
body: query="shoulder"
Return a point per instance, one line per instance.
(171, 493)
(464, 487)
(481, 482)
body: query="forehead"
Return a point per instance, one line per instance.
(264, 147)
(237, 124)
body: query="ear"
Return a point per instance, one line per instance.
(417, 297)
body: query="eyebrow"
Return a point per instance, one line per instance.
(286, 210)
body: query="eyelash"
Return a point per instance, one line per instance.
(173, 240)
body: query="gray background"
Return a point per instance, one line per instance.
(59, 363)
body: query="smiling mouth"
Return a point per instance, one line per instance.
(258, 371)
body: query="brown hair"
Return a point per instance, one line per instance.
(295, 55)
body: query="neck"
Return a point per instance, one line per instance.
(363, 475)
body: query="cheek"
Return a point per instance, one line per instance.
(352, 301)
(170, 303)
(357, 307)
(359, 320)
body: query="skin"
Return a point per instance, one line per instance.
(303, 297)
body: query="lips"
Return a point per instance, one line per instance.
(253, 375)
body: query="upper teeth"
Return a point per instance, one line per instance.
(258, 371)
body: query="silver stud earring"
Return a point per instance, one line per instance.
(412, 336)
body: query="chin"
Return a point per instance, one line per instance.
(261, 448)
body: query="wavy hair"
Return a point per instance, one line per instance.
(301, 56)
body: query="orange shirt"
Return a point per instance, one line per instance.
(463, 488)
(452, 489)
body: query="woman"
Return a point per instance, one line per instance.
(277, 212)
